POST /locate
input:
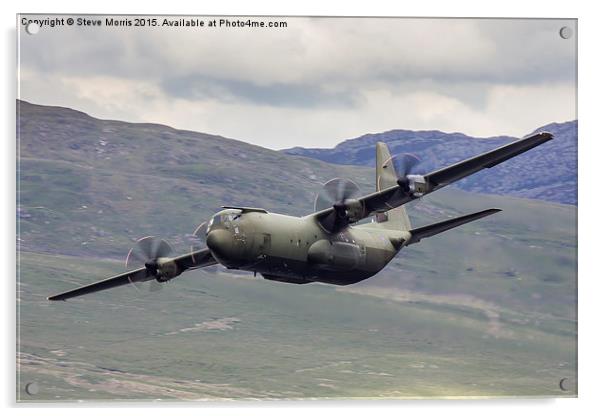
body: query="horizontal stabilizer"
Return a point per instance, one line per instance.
(433, 229)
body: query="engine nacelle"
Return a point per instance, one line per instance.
(167, 269)
(354, 210)
(417, 185)
(334, 255)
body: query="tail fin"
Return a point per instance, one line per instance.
(434, 229)
(395, 219)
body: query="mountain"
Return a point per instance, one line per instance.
(487, 309)
(548, 172)
(90, 186)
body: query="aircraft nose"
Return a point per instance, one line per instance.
(220, 243)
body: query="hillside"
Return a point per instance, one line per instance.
(91, 187)
(548, 172)
(486, 309)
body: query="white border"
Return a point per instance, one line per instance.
(589, 155)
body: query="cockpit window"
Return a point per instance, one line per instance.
(231, 217)
(227, 219)
(215, 220)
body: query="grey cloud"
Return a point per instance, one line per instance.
(335, 51)
(72, 52)
(530, 50)
(319, 78)
(196, 87)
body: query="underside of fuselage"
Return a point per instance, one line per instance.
(285, 270)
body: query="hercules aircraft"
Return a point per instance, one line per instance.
(327, 246)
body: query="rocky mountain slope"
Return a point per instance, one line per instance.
(548, 172)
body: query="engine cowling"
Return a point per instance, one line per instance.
(167, 269)
(417, 185)
(354, 210)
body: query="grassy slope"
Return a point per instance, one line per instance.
(482, 310)
(214, 336)
(89, 186)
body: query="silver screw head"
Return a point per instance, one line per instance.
(32, 388)
(32, 28)
(566, 32)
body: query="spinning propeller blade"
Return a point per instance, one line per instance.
(145, 253)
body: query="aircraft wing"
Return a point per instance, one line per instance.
(196, 259)
(193, 260)
(447, 175)
(335, 219)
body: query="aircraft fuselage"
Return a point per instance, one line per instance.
(297, 249)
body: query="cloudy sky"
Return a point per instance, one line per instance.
(314, 83)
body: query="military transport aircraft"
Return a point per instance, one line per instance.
(327, 246)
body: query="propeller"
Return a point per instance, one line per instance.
(397, 168)
(198, 239)
(339, 194)
(401, 170)
(334, 193)
(145, 253)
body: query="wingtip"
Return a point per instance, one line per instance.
(546, 134)
(489, 211)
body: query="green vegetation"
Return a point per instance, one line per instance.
(225, 336)
(487, 309)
